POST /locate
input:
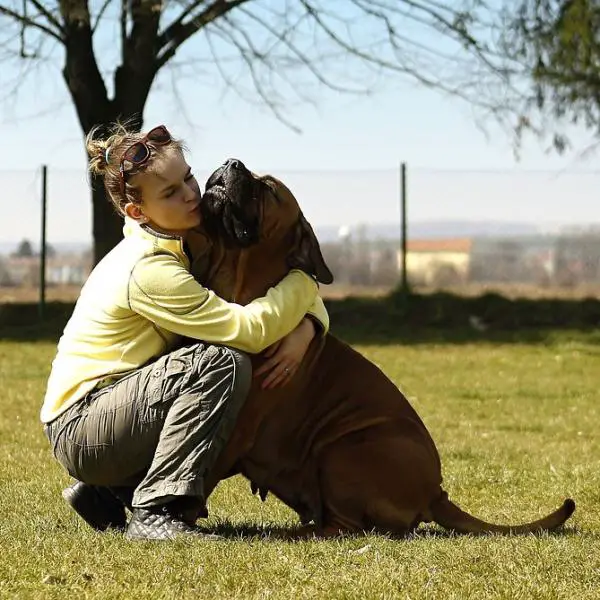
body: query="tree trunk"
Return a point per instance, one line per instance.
(133, 80)
(107, 224)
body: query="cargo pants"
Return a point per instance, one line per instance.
(159, 429)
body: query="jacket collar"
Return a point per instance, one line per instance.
(170, 243)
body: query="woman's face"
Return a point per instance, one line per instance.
(170, 195)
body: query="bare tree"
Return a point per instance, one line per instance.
(274, 51)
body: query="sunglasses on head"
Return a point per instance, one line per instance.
(139, 152)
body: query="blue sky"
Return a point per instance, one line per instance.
(342, 167)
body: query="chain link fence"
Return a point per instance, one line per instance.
(517, 232)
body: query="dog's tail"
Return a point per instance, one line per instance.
(447, 514)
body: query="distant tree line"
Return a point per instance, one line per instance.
(25, 249)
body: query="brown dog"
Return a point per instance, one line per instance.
(340, 443)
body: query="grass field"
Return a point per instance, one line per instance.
(516, 424)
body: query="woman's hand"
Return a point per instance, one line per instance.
(285, 356)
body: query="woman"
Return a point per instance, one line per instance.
(129, 412)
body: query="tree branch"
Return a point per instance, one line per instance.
(141, 42)
(23, 52)
(44, 11)
(282, 37)
(558, 44)
(176, 24)
(266, 98)
(123, 28)
(134, 77)
(100, 14)
(22, 18)
(28, 68)
(177, 33)
(81, 72)
(314, 37)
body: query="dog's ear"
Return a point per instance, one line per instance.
(307, 255)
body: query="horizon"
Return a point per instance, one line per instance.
(546, 199)
(426, 229)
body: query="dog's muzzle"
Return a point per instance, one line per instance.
(230, 205)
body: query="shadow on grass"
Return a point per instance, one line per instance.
(417, 319)
(271, 532)
(453, 319)
(22, 321)
(433, 532)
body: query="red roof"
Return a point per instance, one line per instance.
(440, 245)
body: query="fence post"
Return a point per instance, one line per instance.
(42, 302)
(403, 230)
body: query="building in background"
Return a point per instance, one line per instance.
(438, 262)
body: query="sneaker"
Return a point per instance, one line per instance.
(157, 523)
(96, 505)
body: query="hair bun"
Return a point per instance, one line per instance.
(97, 151)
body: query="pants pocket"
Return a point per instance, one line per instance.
(169, 376)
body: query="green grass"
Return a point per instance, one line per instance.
(516, 425)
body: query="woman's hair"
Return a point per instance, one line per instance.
(105, 160)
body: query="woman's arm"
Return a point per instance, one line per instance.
(163, 291)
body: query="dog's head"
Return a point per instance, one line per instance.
(229, 207)
(247, 211)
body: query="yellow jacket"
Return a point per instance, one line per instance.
(141, 299)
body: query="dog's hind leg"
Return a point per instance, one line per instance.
(383, 478)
